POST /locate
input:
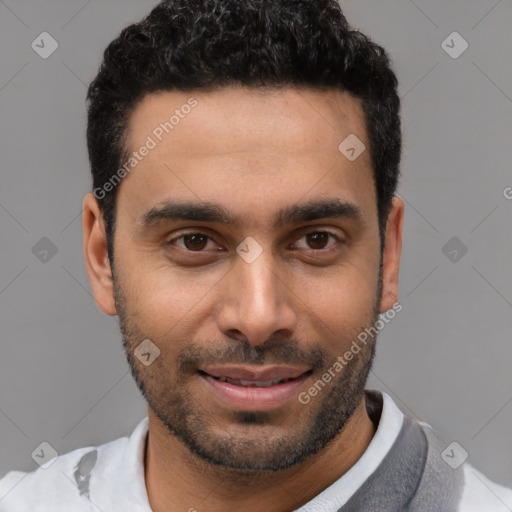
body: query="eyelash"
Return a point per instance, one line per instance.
(325, 250)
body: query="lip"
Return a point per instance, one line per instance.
(251, 372)
(254, 398)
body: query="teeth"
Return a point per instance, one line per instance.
(253, 383)
(259, 384)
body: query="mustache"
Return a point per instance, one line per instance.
(242, 352)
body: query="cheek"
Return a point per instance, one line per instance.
(165, 299)
(340, 304)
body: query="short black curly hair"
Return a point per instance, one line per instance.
(204, 45)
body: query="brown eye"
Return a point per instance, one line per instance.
(318, 240)
(194, 242)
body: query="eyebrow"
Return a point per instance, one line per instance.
(210, 212)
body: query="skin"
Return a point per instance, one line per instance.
(254, 152)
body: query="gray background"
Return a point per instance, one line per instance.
(445, 358)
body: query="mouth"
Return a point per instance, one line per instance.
(252, 383)
(251, 388)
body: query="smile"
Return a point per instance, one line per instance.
(252, 383)
(251, 388)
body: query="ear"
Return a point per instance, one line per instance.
(391, 255)
(96, 255)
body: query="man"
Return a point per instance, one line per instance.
(244, 227)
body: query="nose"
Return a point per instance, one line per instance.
(257, 302)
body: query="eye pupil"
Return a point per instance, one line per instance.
(197, 241)
(315, 238)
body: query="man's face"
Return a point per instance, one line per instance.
(250, 312)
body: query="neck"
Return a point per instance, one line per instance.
(177, 480)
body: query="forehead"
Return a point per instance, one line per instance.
(247, 147)
(242, 117)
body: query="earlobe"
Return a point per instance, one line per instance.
(391, 255)
(96, 255)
